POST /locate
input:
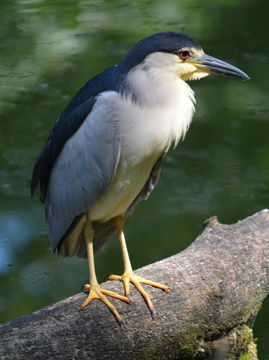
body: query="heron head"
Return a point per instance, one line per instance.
(177, 52)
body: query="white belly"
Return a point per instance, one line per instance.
(126, 185)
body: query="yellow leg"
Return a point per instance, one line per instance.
(128, 274)
(95, 290)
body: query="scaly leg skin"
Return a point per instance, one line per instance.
(95, 290)
(128, 275)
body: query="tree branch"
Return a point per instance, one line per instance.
(217, 286)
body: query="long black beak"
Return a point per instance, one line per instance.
(214, 65)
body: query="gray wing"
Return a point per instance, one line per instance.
(84, 169)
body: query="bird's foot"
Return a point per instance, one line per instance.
(96, 292)
(130, 277)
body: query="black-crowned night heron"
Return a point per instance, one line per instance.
(104, 154)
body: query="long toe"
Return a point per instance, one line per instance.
(96, 292)
(130, 277)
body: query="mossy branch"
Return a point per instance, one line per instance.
(217, 287)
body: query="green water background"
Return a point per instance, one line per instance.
(48, 49)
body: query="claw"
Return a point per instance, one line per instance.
(96, 292)
(128, 277)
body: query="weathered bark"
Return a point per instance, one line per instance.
(217, 286)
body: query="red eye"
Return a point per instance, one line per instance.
(184, 54)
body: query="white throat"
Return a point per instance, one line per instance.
(162, 105)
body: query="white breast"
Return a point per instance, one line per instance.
(148, 128)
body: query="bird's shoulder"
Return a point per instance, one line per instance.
(68, 123)
(104, 81)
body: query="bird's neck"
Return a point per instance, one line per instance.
(153, 87)
(158, 108)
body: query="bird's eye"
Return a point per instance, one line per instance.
(184, 54)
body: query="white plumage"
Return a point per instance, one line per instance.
(158, 119)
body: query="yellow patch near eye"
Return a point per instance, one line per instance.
(191, 73)
(198, 75)
(188, 69)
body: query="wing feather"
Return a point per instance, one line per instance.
(84, 169)
(74, 168)
(69, 122)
